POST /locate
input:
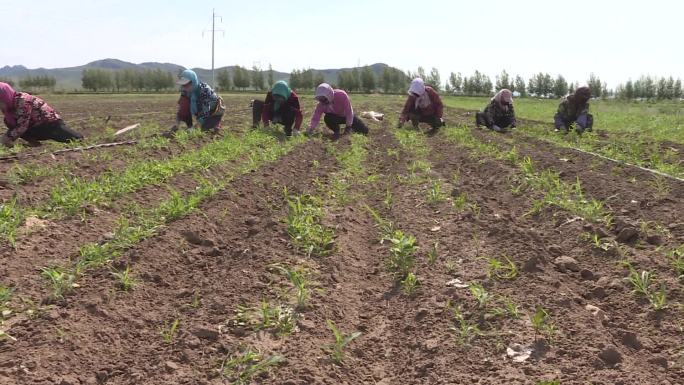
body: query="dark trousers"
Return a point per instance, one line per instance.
(584, 121)
(213, 122)
(482, 119)
(417, 118)
(333, 122)
(284, 116)
(57, 131)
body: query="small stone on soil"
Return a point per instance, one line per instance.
(565, 263)
(627, 234)
(207, 334)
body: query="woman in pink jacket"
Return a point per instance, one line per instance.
(28, 117)
(336, 106)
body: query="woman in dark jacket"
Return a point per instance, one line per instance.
(200, 101)
(499, 113)
(422, 106)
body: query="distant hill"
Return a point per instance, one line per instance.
(70, 78)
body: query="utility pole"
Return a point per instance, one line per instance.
(213, 32)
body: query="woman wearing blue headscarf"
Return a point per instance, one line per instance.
(198, 100)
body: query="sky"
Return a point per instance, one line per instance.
(616, 40)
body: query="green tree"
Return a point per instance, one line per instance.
(503, 81)
(456, 82)
(595, 84)
(560, 87)
(520, 86)
(224, 80)
(434, 80)
(367, 79)
(258, 79)
(240, 78)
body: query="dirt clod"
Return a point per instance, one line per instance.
(566, 264)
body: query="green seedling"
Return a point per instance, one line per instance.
(433, 253)
(337, 349)
(410, 284)
(168, 331)
(465, 331)
(305, 228)
(640, 282)
(658, 299)
(481, 295)
(125, 280)
(241, 368)
(388, 198)
(676, 257)
(299, 278)
(282, 319)
(541, 321)
(402, 253)
(62, 282)
(435, 194)
(498, 269)
(460, 202)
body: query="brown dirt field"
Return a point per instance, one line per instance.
(100, 334)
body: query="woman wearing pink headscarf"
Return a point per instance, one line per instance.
(336, 106)
(499, 113)
(28, 117)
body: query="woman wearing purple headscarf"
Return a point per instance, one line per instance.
(28, 117)
(499, 113)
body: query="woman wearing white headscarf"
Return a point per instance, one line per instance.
(422, 106)
(499, 113)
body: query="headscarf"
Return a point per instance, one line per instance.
(326, 91)
(7, 95)
(417, 87)
(194, 94)
(581, 96)
(280, 88)
(503, 98)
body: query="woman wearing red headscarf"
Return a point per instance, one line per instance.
(28, 117)
(499, 113)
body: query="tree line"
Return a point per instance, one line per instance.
(95, 79)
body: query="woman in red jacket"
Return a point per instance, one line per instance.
(28, 117)
(281, 106)
(423, 106)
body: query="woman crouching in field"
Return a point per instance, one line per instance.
(200, 101)
(499, 113)
(422, 106)
(574, 109)
(281, 106)
(337, 107)
(28, 117)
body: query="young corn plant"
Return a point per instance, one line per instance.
(500, 269)
(337, 349)
(435, 194)
(299, 277)
(125, 280)
(460, 202)
(402, 250)
(676, 257)
(433, 253)
(281, 318)
(241, 368)
(61, 282)
(410, 284)
(481, 295)
(541, 322)
(465, 331)
(640, 282)
(168, 331)
(305, 228)
(658, 299)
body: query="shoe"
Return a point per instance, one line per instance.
(296, 133)
(347, 131)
